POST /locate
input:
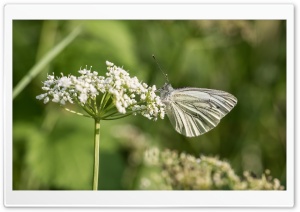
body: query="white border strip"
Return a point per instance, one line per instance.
(147, 198)
(148, 11)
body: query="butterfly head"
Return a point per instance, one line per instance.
(165, 90)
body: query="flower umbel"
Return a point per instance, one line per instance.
(108, 97)
(182, 171)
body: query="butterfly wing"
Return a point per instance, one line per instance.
(195, 111)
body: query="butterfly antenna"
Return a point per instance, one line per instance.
(166, 76)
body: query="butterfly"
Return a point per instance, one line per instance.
(195, 111)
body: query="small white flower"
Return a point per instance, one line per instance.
(109, 63)
(152, 95)
(136, 107)
(162, 114)
(83, 72)
(143, 96)
(46, 100)
(120, 108)
(83, 97)
(93, 90)
(62, 101)
(78, 88)
(41, 96)
(55, 98)
(45, 88)
(64, 82)
(50, 78)
(153, 88)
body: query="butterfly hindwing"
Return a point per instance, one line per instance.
(190, 120)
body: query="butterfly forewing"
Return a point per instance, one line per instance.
(194, 111)
(222, 100)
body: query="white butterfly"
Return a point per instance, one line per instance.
(195, 111)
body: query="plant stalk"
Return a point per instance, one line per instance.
(96, 154)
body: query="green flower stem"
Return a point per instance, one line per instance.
(96, 154)
(108, 115)
(95, 105)
(84, 108)
(88, 105)
(101, 103)
(118, 117)
(104, 102)
(72, 111)
(88, 111)
(110, 106)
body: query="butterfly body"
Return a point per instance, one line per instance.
(195, 111)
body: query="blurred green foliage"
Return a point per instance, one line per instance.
(53, 149)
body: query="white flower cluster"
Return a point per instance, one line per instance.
(127, 94)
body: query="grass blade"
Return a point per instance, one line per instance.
(44, 61)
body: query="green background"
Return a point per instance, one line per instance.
(53, 149)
